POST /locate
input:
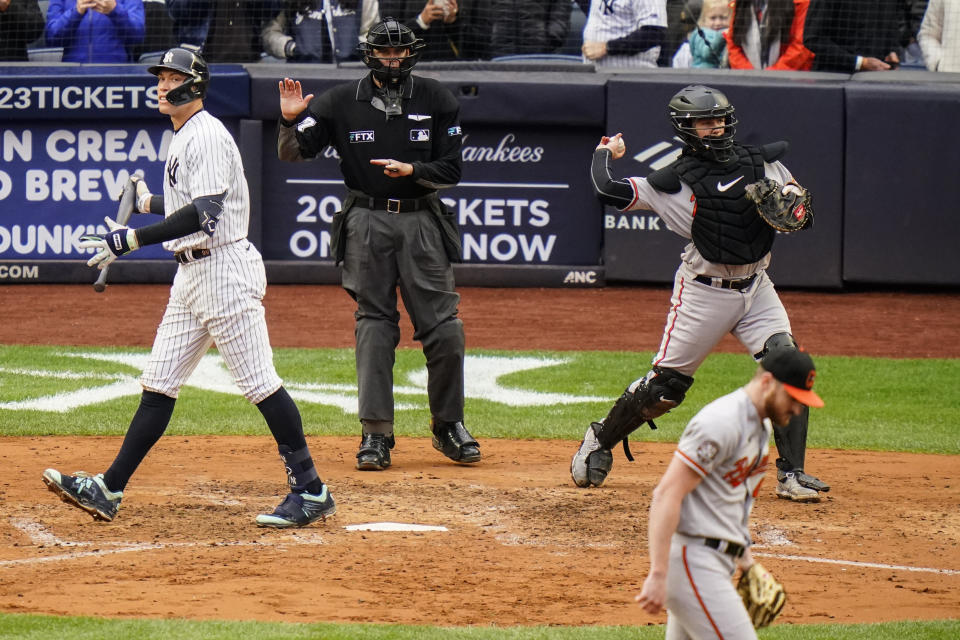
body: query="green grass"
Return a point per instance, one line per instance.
(872, 403)
(29, 627)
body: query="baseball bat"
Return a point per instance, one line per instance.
(128, 199)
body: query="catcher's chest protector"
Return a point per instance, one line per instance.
(726, 228)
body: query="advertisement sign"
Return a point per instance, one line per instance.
(98, 92)
(523, 199)
(57, 182)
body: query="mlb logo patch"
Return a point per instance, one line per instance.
(453, 131)
(361, 136)
(420, 135)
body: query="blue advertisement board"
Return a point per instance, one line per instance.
(58, 181)
(521, 201)
(100, 92)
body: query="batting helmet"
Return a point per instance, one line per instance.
(697, 101)
(389, 32)
(190, 64)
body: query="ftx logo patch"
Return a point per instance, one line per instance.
(361, 136)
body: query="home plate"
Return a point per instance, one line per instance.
(393, 526)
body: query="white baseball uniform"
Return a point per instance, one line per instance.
(612, 19)
(727, 445)
(217, 298)
(701, 314)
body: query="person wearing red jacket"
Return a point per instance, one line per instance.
(768, 35)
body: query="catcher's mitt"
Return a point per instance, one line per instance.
(762, 595)
(790, 211)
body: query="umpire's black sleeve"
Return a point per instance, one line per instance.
(306, 136)
(443, 170)
(616, 193)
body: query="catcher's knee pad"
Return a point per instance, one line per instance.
(650, 397)
(782, 340)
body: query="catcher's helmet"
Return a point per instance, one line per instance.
(697, 101)
(189, 63)
(389, 32)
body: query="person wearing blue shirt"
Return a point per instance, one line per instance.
(95, 30)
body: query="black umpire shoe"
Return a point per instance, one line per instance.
(455, 442)
(374, 453)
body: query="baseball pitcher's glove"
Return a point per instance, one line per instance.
(762, 595)
(788, 208)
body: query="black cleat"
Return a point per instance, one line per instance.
(374, 453)
(455, 442)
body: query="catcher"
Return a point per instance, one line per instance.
(698, 526)
(729, 200)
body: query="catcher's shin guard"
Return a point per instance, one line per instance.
(650, 397)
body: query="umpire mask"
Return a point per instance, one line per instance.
(390, 33)
(695, 102)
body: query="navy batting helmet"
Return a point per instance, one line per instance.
(695, 102)
(189, 63)
(389, 32)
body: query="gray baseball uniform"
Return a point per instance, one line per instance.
(701, 314)
(727, 445)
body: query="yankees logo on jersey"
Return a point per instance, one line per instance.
(172, 166)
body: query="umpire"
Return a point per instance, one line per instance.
(398, 137)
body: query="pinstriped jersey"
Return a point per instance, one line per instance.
(613, 19)
(203, 160)
(727, 445)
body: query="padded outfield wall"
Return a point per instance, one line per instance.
(872, 148)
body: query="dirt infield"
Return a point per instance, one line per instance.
(522, 546)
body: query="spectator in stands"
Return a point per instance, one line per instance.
(159, 35)
(224, 30)
(939, 35)
(437, 22)
(326, 31)
(769, 35)
(95, 30)
(517, 27)
(847, 36)
(681, 20)
(705, 47)
(624, 33)
(21, 22)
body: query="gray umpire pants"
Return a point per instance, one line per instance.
(384, 251)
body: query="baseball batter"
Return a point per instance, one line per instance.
(698, 526)
(624, 33)
(216, 298)
(721, 285)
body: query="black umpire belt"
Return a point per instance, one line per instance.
(732, 549)
(395, 205)
(190, 255)
(737, 284)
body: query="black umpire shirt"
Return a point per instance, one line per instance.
(426, 135)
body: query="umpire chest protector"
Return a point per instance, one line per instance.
(726, 228)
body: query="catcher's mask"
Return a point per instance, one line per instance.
(389, 32)
(695, 102)
(190, 64)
